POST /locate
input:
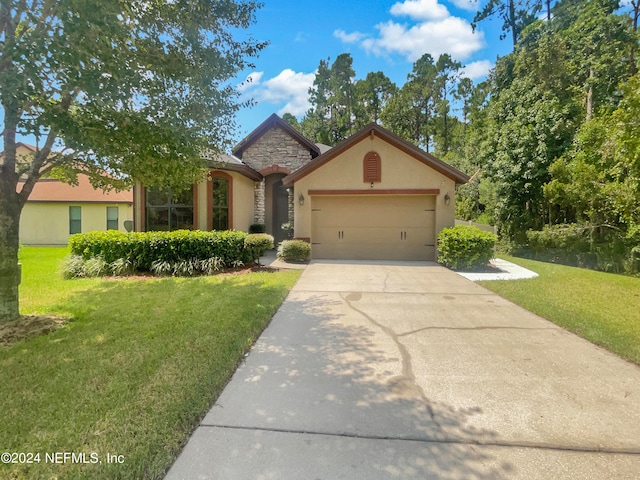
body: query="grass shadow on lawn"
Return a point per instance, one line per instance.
(133, 373)
(602, 307)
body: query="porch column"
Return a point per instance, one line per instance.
(258, 202)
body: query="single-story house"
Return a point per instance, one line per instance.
(55, 210)
(372, 196)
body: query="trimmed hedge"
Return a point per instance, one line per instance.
(257, 244)
(142, 249)
(294, 250)
(465, 247)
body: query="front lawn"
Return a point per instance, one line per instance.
(132, 373)
(602, 307)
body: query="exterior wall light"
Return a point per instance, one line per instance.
(447, 199)
(301, 199)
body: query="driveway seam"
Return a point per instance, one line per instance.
(471, 329)
(447, 441)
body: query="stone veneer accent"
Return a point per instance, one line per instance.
(291, 199)
(275, 147)
(258, 202)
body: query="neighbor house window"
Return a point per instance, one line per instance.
(169, 210)
(220, 203)
(112, 218)
(75, 220)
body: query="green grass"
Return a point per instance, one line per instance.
(133, 372)
(602, 307)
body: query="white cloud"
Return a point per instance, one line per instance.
(451, 35)
(433, 30)
(469, 5)
(477, 70)
(353, 37)
(288, 87)
(253, 79)
(420, 9)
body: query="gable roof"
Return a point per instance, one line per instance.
(274, 121)
(391, 138)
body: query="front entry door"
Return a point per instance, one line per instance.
(280, 211)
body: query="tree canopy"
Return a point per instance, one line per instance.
(551, 137)
(136, 88)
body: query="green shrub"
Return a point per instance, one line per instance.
(258, 243)
(294, 250)
(73, 267)
(122, 266)
(257, 228)
(465, 247)
(584, 246)
(187, 268)
(142, 249)
(77, 267)
(568, 237)
(96, 267)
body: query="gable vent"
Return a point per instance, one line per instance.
(372, 167)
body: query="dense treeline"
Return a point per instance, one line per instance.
(551, 138)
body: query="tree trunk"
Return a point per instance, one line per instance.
(512, 22)
(10, 208)
(589, 101)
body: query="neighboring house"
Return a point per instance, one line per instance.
(55, 209)
(372, 196)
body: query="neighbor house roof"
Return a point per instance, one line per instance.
(391, 138)
(271, 122)
(53, 190)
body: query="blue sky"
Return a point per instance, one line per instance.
(385, 36)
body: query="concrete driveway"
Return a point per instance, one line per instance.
(407, 370)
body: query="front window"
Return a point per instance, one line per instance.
(112, 218)
(75, 220)
(220, 203)
(169, 210)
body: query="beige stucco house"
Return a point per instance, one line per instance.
(55, 210)
(372, 196)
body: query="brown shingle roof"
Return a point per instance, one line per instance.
(52, 190)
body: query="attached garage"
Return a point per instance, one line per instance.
(373, 227)
(373, 196)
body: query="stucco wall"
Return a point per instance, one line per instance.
(48, 223)
(399, 171)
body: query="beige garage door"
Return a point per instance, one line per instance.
(373, 227)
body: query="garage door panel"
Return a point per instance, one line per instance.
(374, 227)
(371, 211)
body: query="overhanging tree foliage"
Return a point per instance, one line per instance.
(137, 88)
